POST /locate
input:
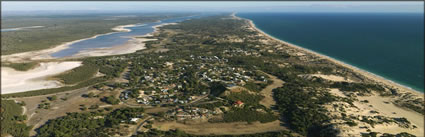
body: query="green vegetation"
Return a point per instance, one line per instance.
(88, 124)
(59, 29)
(217, 88)
(256, 87)
(204, 62)
(244, 96)
(375, 134)
(111, 69)
(52, 98)
(303, 110)
(79, 74)
(357, 87)
(179, 133)
(110, 100)
(12, 122)
(211, 106)
(248, 115)
(21, 66)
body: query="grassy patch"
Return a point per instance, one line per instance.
(79, 74)
(21, 66)
(256, 87)
(248, 115)
(244, 96)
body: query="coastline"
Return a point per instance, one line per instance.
(45, 53)
(374, 77)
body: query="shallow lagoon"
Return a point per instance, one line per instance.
(114, 39)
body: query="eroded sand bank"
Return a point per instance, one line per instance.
(13, 81)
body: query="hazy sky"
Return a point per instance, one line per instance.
(242, 6)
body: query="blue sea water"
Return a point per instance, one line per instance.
(390, 45)
(114, 39)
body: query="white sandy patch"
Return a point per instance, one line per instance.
(123, 28)
(332, 78)
(13, 81)
(377, 103)
(21, 28)
(131, 46)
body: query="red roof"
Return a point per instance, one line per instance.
(239, 102)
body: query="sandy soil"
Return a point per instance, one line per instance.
(378, 103)
(332, 78)
(123, 28)
(234, 128)
(13, 81)
(268, 100)
(131, 46)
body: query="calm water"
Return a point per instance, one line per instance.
(7, 30)
(387, 44)
(114, 39)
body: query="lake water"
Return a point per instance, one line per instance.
(21, 28)
(390, 45)
(114, 39)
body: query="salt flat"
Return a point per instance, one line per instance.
(13, 81)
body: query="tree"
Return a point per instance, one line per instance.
(52, 98)
(110, 100)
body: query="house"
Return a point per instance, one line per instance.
(134, 119)
(238, 103)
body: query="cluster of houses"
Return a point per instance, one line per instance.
(239, 51)
(164, 85)
(191, 113)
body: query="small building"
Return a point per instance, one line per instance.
(238, 103)
(134, 119)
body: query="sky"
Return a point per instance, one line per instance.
(208, 6)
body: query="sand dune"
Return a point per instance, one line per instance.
(13, 81)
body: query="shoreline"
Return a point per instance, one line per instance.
(373, 77)
(134, 44)
(45, 53)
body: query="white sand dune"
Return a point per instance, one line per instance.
(13, 81)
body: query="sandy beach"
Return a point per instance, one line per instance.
(131, 46)
(367, 74)
(13, 81)
(376, 102)
(123, 28)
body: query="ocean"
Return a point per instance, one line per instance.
(390, 45)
